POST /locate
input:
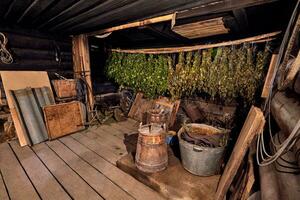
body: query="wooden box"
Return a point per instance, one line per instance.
(65, 118)
(65, 88)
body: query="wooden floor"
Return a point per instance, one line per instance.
(78, 166)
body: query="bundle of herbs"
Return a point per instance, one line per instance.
(222, 74)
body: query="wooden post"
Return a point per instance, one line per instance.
(82, 67)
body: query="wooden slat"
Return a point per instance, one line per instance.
(127, 182)
(44, 182)
(96, 147)
(253, 125)
(267, 85)
(134, 24)
(18, 184)
(94, 178)
(3, 192)
(73, 183)
(255, 39)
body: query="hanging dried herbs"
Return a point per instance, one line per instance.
(223, 73)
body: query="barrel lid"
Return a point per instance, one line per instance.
(151, 129)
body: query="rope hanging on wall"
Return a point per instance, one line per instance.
(5, 55)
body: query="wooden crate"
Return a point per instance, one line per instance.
(65, 118)
(65, 88)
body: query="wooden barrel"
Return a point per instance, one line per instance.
(151, 153)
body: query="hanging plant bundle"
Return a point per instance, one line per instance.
(147, 73)
(223, 73)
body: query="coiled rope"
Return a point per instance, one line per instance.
(5, 55)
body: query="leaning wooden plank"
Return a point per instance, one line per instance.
(76, 187)
(96, 147)
(105, 187)
(267, 85)
(3, 190)
(18, 184)
(127, 182)
(62, 119)
(250, 181)
(253, 125)
(44, 182)
(255, 39)
(136, 104)
(292, 72)
(14, 80)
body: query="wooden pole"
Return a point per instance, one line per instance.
(254, 39)
(82, 67)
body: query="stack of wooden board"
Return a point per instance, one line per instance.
(69, 116)
(202, 29)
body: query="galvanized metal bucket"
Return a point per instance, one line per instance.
(201, 161)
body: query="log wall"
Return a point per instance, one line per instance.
(37, 51)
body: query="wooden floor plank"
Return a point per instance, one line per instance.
(93, 177)
(127, 182)
(17, 182)
(3, 192)
(117, 130)
(96, 147)
(122, 141)
(42, 179)
(76, 187)
(114, 144)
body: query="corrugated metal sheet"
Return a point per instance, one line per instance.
(29, 103)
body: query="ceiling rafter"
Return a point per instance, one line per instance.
(101, 8)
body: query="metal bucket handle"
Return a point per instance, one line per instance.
(198, 148)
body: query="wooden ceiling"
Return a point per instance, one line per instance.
(71, 17)
(78, 16)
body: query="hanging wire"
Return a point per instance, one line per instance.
(262, 156)
(5, 55)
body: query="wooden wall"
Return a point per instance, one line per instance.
(32, 50)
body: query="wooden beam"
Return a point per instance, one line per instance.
(253, 125)
(82, 67)
(134, 24)
(254, 39)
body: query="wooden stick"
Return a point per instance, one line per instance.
(254, 39)
(134, 24)
(267, 85)
(253, 125)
